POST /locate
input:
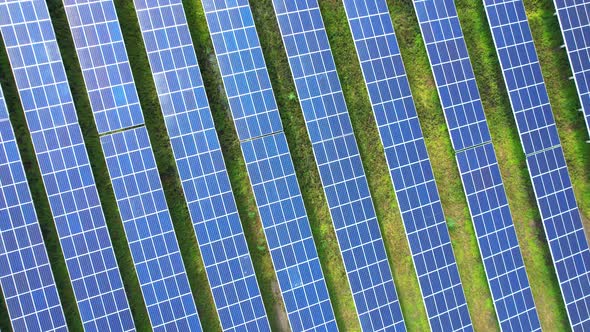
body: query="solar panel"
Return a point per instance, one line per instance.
(131, 163)
(545, 158)
(340, 166)
(63, 161)
(409, 164)
(574, 19)
(496, 236)
(199, 160)
(150, 234)
(105, 66)
(29, 290)
(270, 168)
(476, 158)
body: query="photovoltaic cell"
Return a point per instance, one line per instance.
(105, 66)
(545, 158)
(476, 158)
(200, 164)
(132, 168)
(63, 161)
(150, 234)
(26, 278)
(409, 164)
(340, 166)
(269, 164)
(574, 18)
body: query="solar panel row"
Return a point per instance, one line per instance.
(545, 159)
(130, 160)
(409, 164)
(574, 19)
(26, 278)
(200, 164)
(476, 159)
(57, 139)
(270, 168)
(150, 234)
(339, 163)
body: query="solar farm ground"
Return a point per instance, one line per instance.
(505, 137)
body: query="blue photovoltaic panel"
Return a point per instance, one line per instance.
(270, 167)
(453, 73)
(105, 66)
(409, 164)
(200, 164)
(340, 166)
(51, 117)
(150, 234)
(574, 18)
(282, 213)
(26, 278)
(242, 67)
(130, 160)
(498, 244)
(523, 77)
(476, 158)
(545, 158)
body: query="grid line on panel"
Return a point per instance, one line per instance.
(480, 173)
(149, 230)
(200, 163)
(270, 168)
(545, 158)
(405, 150)
(339, 164)
(26, 277)
(574, 20)
(105, 66)
(131, 164)
(63, 161)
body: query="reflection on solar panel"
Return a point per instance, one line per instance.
(409, 164)
(545, 158)
(132, 168)
(149, 230)
(270, 167)
(26, 278)
(339, 163)
(476, 158)
(200, 163)
(51, 117)
(574, 18)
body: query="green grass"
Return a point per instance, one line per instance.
(511, 159)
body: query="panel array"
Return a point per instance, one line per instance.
(149, 230)
(270, 168)
(409, 164)
(340, 166)
(545, 158)
(574, 18)
(476, 158)
(26, 278)
(51, 117)
(140, 197)
(199, 160)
